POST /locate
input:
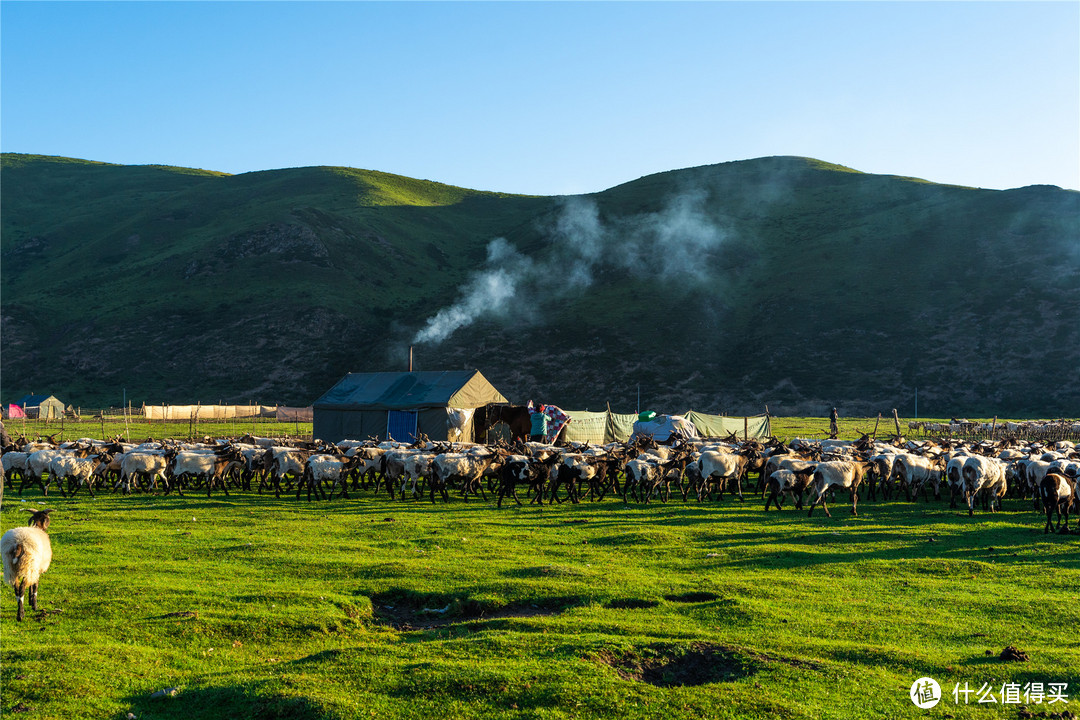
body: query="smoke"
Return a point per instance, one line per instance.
(676, 243)
(489, 292)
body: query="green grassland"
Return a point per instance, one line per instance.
(261, 608)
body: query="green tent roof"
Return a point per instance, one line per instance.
(410, 391)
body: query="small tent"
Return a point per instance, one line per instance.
(403, 405)
(662, 427)
(43, 407)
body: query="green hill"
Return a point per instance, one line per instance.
(781, 281)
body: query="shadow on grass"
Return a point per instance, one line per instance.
(237, 703)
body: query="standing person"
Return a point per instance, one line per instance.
(538, 430)
(834, 429)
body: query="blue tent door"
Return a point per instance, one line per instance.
(401, 425)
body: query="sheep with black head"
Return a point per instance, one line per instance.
(27, 554)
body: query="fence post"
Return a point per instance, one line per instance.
(896, 421)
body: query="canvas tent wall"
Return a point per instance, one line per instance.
(722, 426)
(598, 428)
(401, 405)
(43, 407)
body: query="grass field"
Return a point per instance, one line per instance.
(261, 608)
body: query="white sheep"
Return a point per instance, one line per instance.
(987, 476)
(138, 464)
(27, 553)
(75, 471)
(837, 473)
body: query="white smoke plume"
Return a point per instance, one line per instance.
(675, 243)
(489, 292)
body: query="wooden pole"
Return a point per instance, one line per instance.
(876, 422)
(896, 422)
(745, 428)
(993, 428)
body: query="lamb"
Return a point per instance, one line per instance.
(793, 482)
(392, 467)
(14, 464)
(466, 468)
(282, 461)
(369, 460)
(416, 469)
(722, 467)
(838, 473)
(521, 469)
(37, 463)
(641, 474)
(914, 471)
(76, 471)
(211, 467)
(794, 463)
(331, 469)
(27, 553)
(1056, 491)
(955, 478)
(1029, 474)
(150, 465)
(985, 475)
(574, 468)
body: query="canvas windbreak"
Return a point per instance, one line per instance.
(590, 427)
(207, 412)
(721, 426)
(599, 428)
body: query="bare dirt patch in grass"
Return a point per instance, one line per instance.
(669, 665)
(407, 610)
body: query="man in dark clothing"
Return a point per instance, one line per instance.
(834, 429)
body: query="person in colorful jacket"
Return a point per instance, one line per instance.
(538, 431)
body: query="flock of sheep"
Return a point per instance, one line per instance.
(642, 470)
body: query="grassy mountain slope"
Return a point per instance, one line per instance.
(785, 281)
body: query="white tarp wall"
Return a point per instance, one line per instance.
(295, 414)
(207, 412)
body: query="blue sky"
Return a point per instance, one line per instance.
(549, 98)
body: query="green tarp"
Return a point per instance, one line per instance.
(721, 426)
(590, 427)
(600, 428)
(621, 427)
